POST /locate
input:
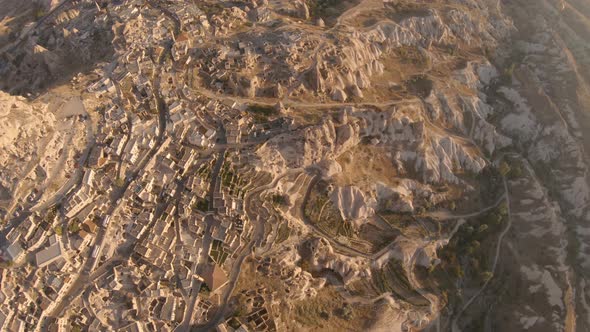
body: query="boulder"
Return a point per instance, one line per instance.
(339, 95)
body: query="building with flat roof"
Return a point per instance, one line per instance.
(48, 255)
(14, 251)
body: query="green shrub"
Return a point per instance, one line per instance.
(278, 199)
(504, 168)
(202, 205)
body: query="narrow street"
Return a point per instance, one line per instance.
(257, 236)
(90, 263)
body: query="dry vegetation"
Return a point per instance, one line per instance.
(328, 311)
(365, 165)
(467, 256)
(321, 211)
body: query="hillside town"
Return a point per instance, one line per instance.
(306, 165)
(158, 216)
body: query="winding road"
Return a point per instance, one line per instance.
(454, 324)
(257, 236)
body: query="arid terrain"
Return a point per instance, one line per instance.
(306, 165)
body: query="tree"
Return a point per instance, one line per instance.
(482, 228)
(487, 276)
(503, 209)
(504, 168)
(515, 172)
(278, 199)
(452, 206)
(39, 12)
(6, 264)
(458, 271)
(431, 268)
(120, 182)
(202, 205)
(205, 290)
(304, 265)
(347, 312)
(73, 227)
(493, 218)
(509, 72)
(58, 230)
(420, 210)
(239, 312)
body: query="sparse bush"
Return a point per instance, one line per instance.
(261, 113)
(508, 73)
(515, 171)
(6, 264)
(494, 219)
(458, 271)
(346, 312)
(420, 210)
(73, 227)
(503, 209)
(452, 206)
(419, 85)
(205, 290)
(504, 168)
(487, 275)
(304, 265)
(234, 323)
(201, 205)
(278, 199)
(120, 182)
(283, 232)
(320, 8)
(39, 12)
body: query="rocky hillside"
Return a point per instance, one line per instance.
(506, 92)
(384, 165)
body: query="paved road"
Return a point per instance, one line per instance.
(162, 117)
(196, 284)
(215, 183)
(206, 246)
(129, 123)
